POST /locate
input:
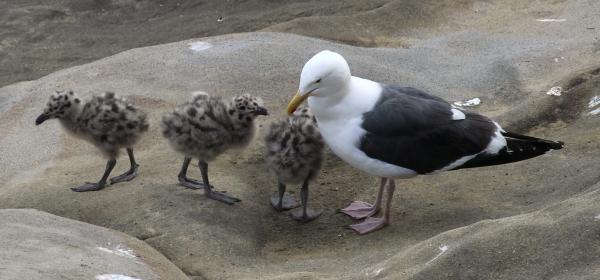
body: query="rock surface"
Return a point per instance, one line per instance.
(38, 245)
(39, 37)
(528, 220)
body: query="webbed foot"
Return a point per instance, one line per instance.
(127, 176)
(88, 187)
(191, 183)
(287, 202)
(219, 196)
(359, 210)
(300, 216)
(369, 225)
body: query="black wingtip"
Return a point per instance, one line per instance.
(557, 145)
(553, 145)
(518, 148)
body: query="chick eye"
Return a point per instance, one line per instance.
(318, 81)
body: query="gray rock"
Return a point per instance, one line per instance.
(39, 37)
(38, 245)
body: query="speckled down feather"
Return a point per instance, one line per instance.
(206, 126)
(108, 121)
(294, 148)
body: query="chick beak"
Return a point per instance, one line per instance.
(261, 111)
(295, 102)
(42, 118)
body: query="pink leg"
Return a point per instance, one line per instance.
(360, 210)
(372, 224)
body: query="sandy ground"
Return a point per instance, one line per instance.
(531, 220)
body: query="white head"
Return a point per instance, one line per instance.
(325, 74)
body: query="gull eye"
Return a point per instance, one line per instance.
(318, 81)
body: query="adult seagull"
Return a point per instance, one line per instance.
(400, 132)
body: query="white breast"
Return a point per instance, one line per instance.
(344, 138)
(340, 126)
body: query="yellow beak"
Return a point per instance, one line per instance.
(295, 102)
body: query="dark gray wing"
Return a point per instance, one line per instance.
(411, 91)
(415, 130)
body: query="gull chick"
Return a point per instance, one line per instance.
(294, 156)
(107, 121)
(206, 126)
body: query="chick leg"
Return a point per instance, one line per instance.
(110, 164)
(131, 173)
(281, 201)
(359, 209)
(184, 180)
(209, 192)
(371, 224)
(305, 214)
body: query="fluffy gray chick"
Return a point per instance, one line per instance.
(107, 121)
(294, 156)
(206, 126)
